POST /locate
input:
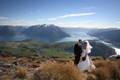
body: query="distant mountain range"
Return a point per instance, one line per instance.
(7, 31)
(49, 31)
(45, 31)
(109, 35)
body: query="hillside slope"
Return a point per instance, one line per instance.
(62, 49)
(108, 35)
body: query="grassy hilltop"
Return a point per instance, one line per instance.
(38, 48)
(46, 68)
(56, 49)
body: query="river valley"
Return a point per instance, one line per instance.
(75, 35)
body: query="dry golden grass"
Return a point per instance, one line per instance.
(6, 77)
(100, 63)
(106, 70)
(37, 61)
(117, 62)
(21, 73)
(8, 59)
(56, 71)
(91, 77)
(98, 58)
(101, 73)
(59, 69)
(114, 69)
(33, 65)
(1, 78)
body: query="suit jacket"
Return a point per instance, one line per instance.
(77, 50)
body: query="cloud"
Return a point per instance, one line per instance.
(75, 15)
(88, 8)
(74, 24)
(52, 19)
(37, 11)
(118, 22)
(84, 24)
(22, 22)
(40, 19)
(18, 22)
(72, 15)
(3, 18)
(33, 12)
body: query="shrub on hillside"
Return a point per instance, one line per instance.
(55, 71)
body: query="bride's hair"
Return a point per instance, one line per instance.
(85, 45)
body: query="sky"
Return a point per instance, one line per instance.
(63, 13)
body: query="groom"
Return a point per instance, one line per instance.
(77, 51)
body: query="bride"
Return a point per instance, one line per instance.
(85, 62)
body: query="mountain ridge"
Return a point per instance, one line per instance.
(45, 31)
(107, 35)
(7, 31)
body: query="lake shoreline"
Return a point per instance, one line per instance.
(74, 38)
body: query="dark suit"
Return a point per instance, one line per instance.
(77, 53)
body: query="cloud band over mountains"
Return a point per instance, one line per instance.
(73, 15)
(3, 18)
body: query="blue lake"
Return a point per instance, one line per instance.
(74, 37)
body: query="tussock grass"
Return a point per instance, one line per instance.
(100, 63)
(45, 68)
(114, 69)
(21, 73)
(118, 63)
(105, 70)
(2, 78)
(91, 77)
(8, 59)
(101, 73)
(56, 71)
(98, 58)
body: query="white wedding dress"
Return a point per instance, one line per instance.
(87, 64)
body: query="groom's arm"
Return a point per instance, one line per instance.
(81, 50)
(75, 50)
